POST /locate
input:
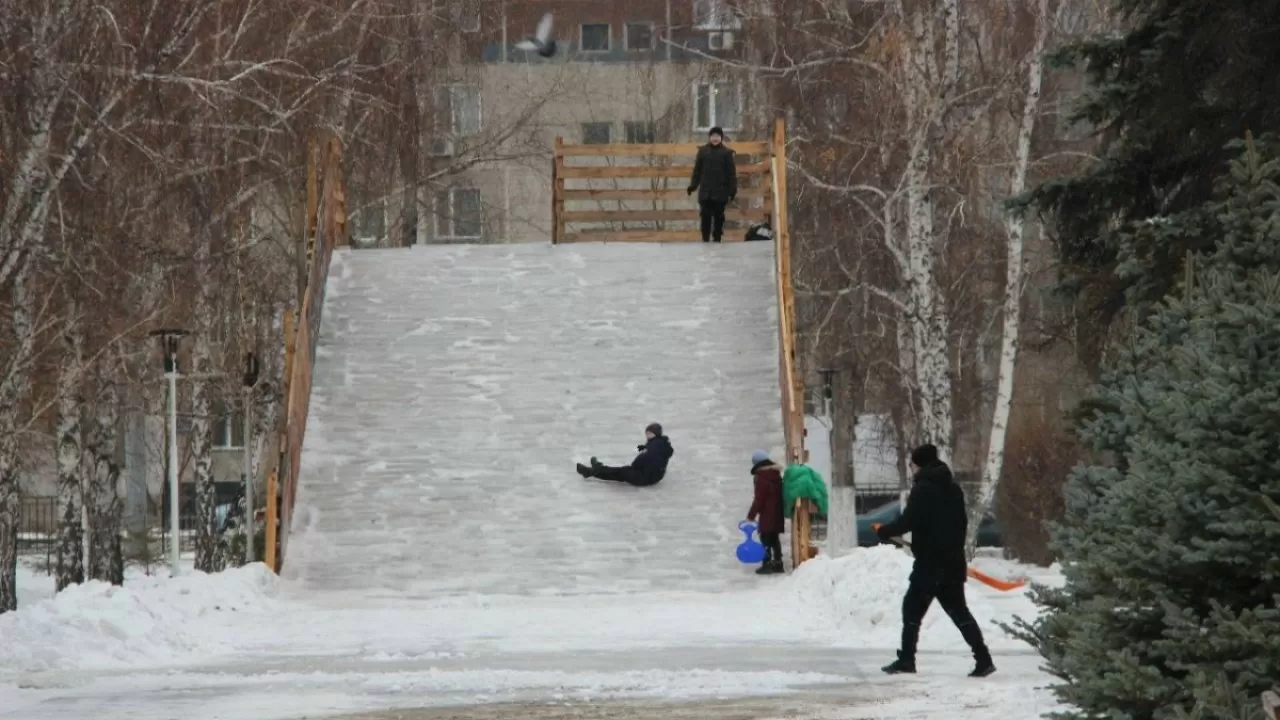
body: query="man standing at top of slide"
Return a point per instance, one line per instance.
(715, 178)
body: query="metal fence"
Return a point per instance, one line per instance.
(38, 533)
(870, 496)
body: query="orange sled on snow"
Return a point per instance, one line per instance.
(985, 579)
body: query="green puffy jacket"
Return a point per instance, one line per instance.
(802, 481)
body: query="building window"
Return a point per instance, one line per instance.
(639, 36)
(458, 109)
(715, 15)
(643, 133)
(717, 104)
(228, 429)
(595, 38)
(458, 214)
(597, 133)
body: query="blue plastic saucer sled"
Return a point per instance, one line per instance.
(750, 551)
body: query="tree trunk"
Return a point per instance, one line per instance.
(70, 568)
(930, 327)
(15, 385)
(105, 554)
(842, 524)
(202, 457)
(1015, 228)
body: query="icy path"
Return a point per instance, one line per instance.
(456, 386)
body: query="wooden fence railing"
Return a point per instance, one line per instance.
(638, 193)
(789, 378)
(326, 227)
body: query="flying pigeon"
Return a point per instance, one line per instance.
(542, 42)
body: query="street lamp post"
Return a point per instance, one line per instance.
(250, 380)
(169, 347)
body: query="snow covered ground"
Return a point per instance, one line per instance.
(245, 646)
(445, 554)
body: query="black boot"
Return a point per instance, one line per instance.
(902, 665)
(982, 663)
(596, 464)
(981, 655)
(584, 471)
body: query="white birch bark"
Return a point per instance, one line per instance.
(71, 518)
(927, 93)
(14, 388)
(103, 497)
(1015, 273)
(202, 433)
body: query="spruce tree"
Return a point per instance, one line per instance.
(1165, 93)
(1170, 549)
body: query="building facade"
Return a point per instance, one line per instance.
(648, 71)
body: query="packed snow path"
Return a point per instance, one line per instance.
(456, 386)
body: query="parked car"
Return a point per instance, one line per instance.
(988, 531)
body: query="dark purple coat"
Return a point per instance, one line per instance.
(767, 504)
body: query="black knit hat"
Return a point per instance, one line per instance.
(716, 131)
(654, 428)
(924, 456)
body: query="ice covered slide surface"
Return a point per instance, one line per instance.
(456, 386)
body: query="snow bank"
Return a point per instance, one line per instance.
(150, 620)
(859, 597)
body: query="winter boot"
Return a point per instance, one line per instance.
(770, 567)
(584, 471)
(983, 665)
(902, 665)
(596, 464)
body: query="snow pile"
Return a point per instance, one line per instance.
(859, 597)
(150, 620)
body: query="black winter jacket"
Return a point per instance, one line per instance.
(715, 175)
(651, 463)
(936, 518)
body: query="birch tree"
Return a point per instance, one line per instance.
(70, 568)
(15, 387)
(1015, 278)
(102, 497)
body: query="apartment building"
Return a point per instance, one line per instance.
(638, 71)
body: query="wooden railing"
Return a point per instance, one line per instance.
(789, 377)
(326, 227)
(637, 193)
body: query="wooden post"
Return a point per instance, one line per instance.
(794, 411)
(557, 192)
(273, 517)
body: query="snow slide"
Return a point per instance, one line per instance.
(456, 386)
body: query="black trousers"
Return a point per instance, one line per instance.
(772, 545)
(626, 474)
(950, 595)
(712, 215)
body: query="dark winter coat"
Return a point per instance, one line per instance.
(715, 175)
(936, 518)
(767, 504)
(651, 464)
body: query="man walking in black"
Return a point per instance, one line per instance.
(715, 178)
(935, 516)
